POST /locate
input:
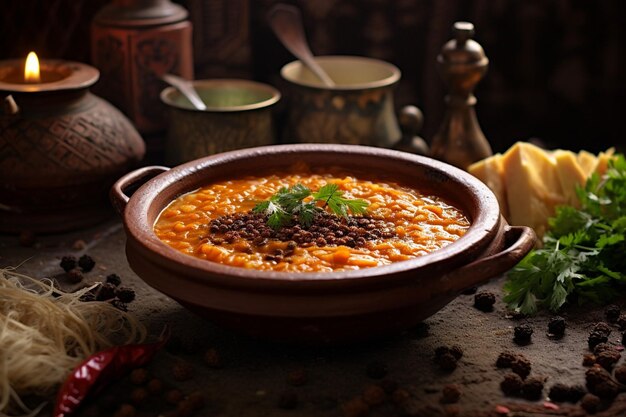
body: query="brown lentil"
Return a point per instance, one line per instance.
(182, 371)
(212, 358)
(155, 386)
(590, 403)
(174, 396)
(139, 395)
(139, 376)
(451, 394)
(521, 366)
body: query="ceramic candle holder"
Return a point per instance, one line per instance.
(61, 148)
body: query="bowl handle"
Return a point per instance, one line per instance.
(133, 179)
(517, 242)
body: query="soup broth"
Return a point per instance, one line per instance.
(216, 223)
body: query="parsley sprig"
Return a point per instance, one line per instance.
(584, 253)
(289, 203)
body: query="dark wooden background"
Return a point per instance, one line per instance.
(558, 67)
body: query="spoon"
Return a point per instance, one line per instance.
(186, 89)
(286, 22)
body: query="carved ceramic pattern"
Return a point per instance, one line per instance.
(61, 146)
(362, 117)
(109, 59)
(193, 135)
(154, 56)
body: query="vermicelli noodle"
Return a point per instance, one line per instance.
(45, 333)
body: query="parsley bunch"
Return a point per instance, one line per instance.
(584, 253)
(288, 203)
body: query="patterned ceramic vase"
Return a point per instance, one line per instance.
(59, 155)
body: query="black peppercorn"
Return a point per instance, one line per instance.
(124, 294)
(599, 334)
(68, 263)
(576, 392)
(105, 292)
(484, 301)
(505, 359)
(114, 279)
(556, 326)
(559, 393)
(532, 388)
(522, 334)
(511, 384)
(86, 263)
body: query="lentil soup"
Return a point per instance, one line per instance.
(216, 223)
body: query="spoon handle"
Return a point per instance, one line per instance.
(286, 22)
(186, 89)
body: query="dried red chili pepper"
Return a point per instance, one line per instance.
(101, 368)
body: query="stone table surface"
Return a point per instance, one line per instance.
(331, 381)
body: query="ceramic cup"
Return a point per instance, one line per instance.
(238, 115)
(358, 110)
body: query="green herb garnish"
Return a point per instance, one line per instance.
(584, 253)
(288, 203)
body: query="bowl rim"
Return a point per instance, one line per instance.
(142, 236)
(392, 79)
(274, 95)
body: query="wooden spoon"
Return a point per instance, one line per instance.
(286, 22)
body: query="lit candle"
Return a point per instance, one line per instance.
(31, 69)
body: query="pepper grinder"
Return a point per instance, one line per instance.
(462, 64)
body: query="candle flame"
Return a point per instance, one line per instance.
(31, 69)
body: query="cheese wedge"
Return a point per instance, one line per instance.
(533, 186)
(603, 161)
(587, 162)
(491, 172)
(571, 175)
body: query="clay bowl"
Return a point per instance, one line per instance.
(326, 307)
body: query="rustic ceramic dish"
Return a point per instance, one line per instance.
(238, 115)
(319, 307)
(358, 110)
